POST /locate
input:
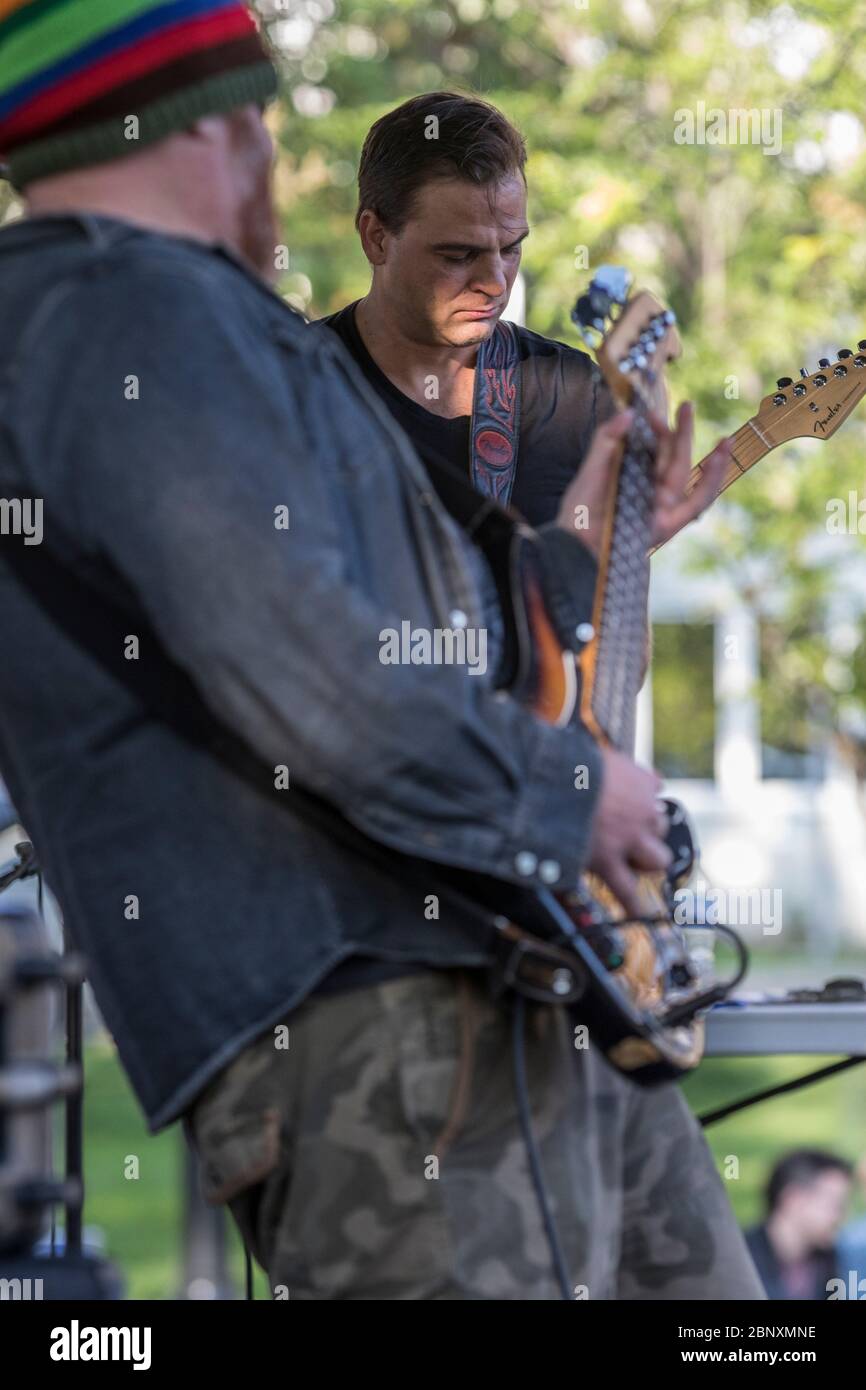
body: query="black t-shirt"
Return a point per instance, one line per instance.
(563, 398)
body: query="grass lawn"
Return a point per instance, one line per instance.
(139, 1217)
(828, 1115)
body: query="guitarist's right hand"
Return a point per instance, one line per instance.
(629, 828)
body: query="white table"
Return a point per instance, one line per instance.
(757, 1029)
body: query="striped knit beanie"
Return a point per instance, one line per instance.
(82, 81)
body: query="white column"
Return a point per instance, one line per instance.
(515, 310)
(738, 719)
(643, 739)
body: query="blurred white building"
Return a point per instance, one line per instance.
(765, 819)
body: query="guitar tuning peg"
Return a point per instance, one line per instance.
(844, 352)
(582, 313)
(804, 371)
(783, 381)
(823, 361)
(862, 345)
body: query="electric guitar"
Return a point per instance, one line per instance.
(646, 1017)
(634, 984)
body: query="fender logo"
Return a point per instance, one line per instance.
(821, 425)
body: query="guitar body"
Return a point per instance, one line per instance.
(633, 972)
(655, 970)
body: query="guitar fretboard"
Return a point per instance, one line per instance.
(622, 635)
(748, 446)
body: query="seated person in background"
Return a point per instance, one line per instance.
(795, 1249)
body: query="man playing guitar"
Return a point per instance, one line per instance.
(442, 219)
(232, 511)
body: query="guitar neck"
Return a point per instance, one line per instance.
(613, 664)
(748, 446)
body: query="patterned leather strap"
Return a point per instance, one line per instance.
(495, 433)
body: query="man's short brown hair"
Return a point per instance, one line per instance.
(468, 139)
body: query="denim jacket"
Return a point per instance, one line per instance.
(202, 450)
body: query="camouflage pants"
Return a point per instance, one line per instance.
(379, 1156)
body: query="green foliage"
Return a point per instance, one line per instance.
(682, 690)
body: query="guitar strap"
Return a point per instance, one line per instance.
(495, 431)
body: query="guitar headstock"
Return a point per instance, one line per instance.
(815, 406)
(633, 338)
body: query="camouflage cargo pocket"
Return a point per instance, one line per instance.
(235, 1126)
(237, 1155)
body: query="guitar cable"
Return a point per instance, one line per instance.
(518, 1036)
(711, 1117)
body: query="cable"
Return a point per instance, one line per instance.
(248, 1274)
(684, 1012)
(712, 1116)
(519, 1054)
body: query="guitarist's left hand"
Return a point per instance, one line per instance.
(583, 510)
(675, 505)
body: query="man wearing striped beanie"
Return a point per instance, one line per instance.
(214, 527)
(91, 92)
